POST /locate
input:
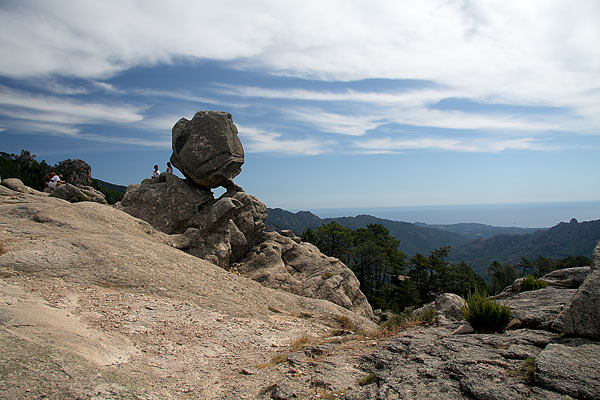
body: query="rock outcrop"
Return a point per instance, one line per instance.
(286, 263)
(168, 203)
(95, 303)
(533, 362)
(76, 172)
(231, 230)
(73, 193)
(18, 186)
(207, 149)
(582, 317)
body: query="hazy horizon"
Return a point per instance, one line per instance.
(522, 215)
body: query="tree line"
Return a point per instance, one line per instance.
(33, 173)
(391, 282)
(387, 278)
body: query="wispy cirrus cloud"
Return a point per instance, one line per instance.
(25, 105)
(32, 127)
(409, 107)
(260, 141)
(476, 145)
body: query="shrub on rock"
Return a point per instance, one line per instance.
(530, 283)
(485, 314)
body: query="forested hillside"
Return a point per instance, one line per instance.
(563, 240)
(479, 231)
(413, 239)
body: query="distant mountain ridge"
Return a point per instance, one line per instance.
(110, 186)
(479, 231)
(563, 240)
(413, 239)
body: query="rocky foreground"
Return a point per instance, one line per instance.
(96, 304)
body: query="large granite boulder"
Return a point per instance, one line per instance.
(76, 172)
(287, 263)
(570, 367)
(539, 308)
(582, 316)
(570, 278)
(249, 219)
(168, 203)
(431, 363)
(218, 230)
(207, 149)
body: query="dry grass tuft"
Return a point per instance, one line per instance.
(304, 341)
(276, 360)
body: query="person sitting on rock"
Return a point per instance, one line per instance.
(156, 172)
(169, 168)
(54, 181)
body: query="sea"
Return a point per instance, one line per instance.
(522, 215)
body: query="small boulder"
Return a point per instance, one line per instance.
(448, 306)
(570, 278)
(73, 194)
(463, 329)
(14, 184)
(207, 149)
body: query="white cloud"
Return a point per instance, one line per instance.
(175, 94)
(32, 127)
(18, 104)
(523, 53)
(259, 141)
(410, 107)
(480, 145)
(343, 124)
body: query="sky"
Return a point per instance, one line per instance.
(339, 104)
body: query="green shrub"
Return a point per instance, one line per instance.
(429, 317)
(485, 314)
(527, 370)
(78, 198)
(407, 319)
(367, 379)
(530, 283)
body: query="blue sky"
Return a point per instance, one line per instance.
(337, 103)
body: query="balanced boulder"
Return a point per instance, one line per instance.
(207, 149)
